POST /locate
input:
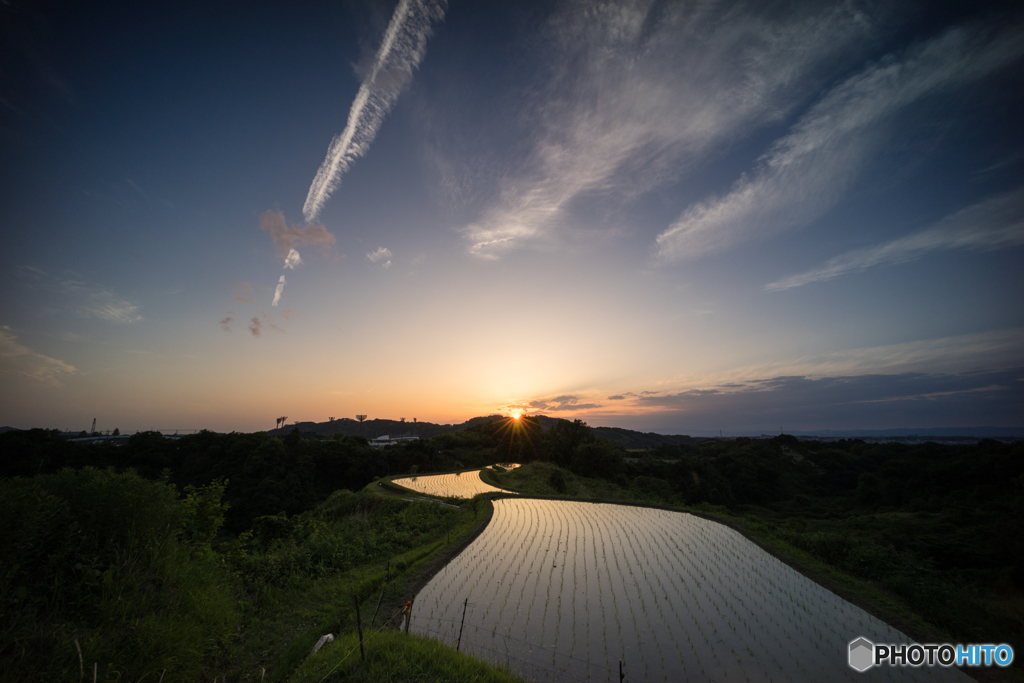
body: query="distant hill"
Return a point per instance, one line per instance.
(912, 432)
(625, 438)
(377, 427)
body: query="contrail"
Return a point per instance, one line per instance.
(280, 288)
(404, 44)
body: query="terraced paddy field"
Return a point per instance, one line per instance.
(462, 485)
(561, 590)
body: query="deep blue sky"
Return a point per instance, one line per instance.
(669, 216)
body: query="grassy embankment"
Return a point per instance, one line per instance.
(288, 621)
(847, 551)
(110, 573)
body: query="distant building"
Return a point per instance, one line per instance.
(387, 440)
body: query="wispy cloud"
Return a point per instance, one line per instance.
(401, 50)
(289, 237)
(559, 404)
(806, 172)
(382, 256)
(991, 224)
(909, 399)
(952, 354)
(243, 293)
(20, 361)
(277, 292)
(258, 323)
(640, 93)
(226, 322)
(83, 298)
(292, 259)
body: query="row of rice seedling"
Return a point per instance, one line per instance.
(457, 485)
(560, 590)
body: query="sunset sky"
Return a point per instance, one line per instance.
(669, 216)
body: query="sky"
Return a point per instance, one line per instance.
(680, 217)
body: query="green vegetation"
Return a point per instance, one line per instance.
(264, 475)
(127, 572)
(113, 565)
(391, 656)
(213, 555)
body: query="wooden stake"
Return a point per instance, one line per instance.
(386, 570)
(81, 663)
(464, 605)
(359, 625)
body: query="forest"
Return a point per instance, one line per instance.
(190, 556)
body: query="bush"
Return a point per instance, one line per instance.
(116, 561)
(557, 481)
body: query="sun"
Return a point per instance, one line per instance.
(516, 415)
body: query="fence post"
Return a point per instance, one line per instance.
(359, 625)
(622, 676)
(385, 585)
(464, 605)
(408, 609)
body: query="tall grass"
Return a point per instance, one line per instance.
(396, 657)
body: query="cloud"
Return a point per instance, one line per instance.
(277, 292)
(401, 50)
(292, 259)
(381, 256)
(953, 354)
(617, 397)
(20, 361)
(989, 397)
(288, 237)
(82, 298)
(991, 224)
(258, 323)
(226, 322)
(638, 94)
(560, 404)
(807, 172)
(242, 293)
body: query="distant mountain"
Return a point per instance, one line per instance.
(4, 430)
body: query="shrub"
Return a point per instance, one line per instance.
(556, 480)
(116, 561)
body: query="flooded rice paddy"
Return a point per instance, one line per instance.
(462, 485)
(561, 590)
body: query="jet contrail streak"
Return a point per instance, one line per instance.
(280, 288)
(403, 47)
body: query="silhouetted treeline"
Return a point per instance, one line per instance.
(265, 475)
(958, 509)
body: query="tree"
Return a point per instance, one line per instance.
(598, 458)
(117, 432)
(563, 439)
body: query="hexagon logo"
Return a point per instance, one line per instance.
(862, 654)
